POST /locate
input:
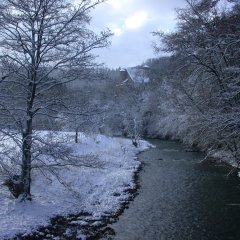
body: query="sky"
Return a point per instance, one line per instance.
(132, 22)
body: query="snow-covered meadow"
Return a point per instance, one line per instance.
(98, 191)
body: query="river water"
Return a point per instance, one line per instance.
(181, 199)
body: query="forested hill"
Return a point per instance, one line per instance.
(194, 92)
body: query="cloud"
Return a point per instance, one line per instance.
(137, 20)
(132, 22)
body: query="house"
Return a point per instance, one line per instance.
(137, 74)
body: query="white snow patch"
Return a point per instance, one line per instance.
(98, 191)
(224, 156)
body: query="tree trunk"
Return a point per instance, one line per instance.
(27, 144)
(26, 161)
(27, 133)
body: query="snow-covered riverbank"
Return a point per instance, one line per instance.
(99, 191)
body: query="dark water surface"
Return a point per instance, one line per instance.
(181, 199)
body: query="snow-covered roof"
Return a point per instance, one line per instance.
(138, 75)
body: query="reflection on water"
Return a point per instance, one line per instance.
(181, 199)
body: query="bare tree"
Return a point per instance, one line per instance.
(43, 44)
(132, 105)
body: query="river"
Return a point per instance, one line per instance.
(181, 199)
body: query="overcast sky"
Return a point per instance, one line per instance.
(132, 22)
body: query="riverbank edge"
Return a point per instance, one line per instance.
(213, 156)
(93, 232)
(107, 231)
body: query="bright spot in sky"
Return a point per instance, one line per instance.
(116, 4)
(117, 31)
(137, 20)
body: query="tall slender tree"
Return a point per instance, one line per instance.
(43, 44)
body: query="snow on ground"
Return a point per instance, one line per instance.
(223, 156)
(98, 191)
